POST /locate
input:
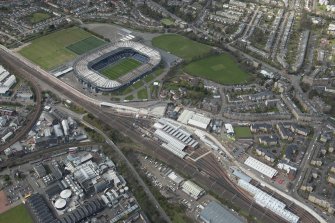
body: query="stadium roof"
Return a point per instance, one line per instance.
(215, 213)
(260, 167)
(83, 71)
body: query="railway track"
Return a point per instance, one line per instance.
(153, 148)
(31, 118)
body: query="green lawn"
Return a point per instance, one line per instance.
(167, 22)
(114, 71)
(242, 132)
(18, 214)
(153, 75)
(222, 69)
(129, 97)
(50, 51)
(37, 17)
(142, 94)
(138, 84)
(181, 46)
(85, 45)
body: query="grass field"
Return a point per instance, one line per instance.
(17, 214)
(114, 71)
(167, 22)
(37, 17)
(181, 46)
(50, 51)
(221, 69)
(242, 132)
(142, 94)
(85, 45)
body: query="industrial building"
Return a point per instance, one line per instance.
(229, 128)
(40, 209)
(260, 167)
(194, 119)
(6, 80)
(267, 201)
(176, 178)
(192, 189)
(215, 213)
(175, 139)
(84, 211)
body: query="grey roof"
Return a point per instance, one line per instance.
(215, 213)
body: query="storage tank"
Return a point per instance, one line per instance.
(65, 194)
(60, 204)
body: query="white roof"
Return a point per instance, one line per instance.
(82, 69)
(173, 149)
(267, 201)
(3, 89)
(261, 167)
(10, 81)
(185, 116)
(60, 73)
(3, 75)
(175, 178)
(195, 119)
(229, 128)
(169, 139)
(192, 189)
(66, 194)
(60, 203)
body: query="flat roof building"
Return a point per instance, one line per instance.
(229, 128)
(192, 189)
(176, 178)
(267, 201)
(195, 119)
(215, 213)
(260, 167)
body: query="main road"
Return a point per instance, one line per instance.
(219, 182)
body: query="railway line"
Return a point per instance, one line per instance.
(218, 180)
(31, 118)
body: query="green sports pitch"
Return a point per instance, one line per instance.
(181, 46)
(123, 66)
(51, 51)
(85, 45)
(18, 214)
(242, 132)
(222, 69)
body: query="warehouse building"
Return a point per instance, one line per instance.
(229, 128)
(267, 201)
(175, 139)
(194, 119)
(260, 167)
(215, 213)
(192, 189)
(40, 209)
(176, 178)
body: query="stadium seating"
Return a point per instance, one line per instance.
(87, 66)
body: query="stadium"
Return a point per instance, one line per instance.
(116, 65)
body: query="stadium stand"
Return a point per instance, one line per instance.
(87, 66)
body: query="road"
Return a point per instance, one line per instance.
(134, 172)
(214, 178)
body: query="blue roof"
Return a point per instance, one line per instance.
(215, 213)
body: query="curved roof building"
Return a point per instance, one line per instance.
(86, 67)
